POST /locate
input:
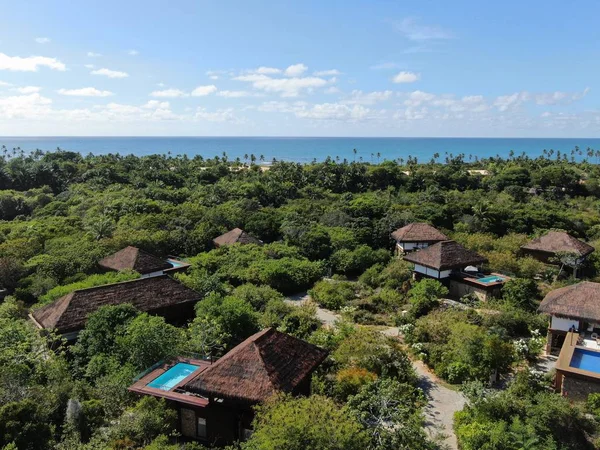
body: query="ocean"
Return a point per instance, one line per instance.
(305, 149)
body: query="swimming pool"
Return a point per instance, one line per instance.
(491, 279)
(173, 376)
(175, 263)
(586, 360)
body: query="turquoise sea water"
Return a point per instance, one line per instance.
(304, 149)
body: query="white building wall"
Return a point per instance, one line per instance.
(558, 323)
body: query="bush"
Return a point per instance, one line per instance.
(350, 380)
(333, 294)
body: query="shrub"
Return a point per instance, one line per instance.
(350, 380)
(333, 294)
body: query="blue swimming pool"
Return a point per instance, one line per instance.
(586, 360)
(490, 279)
(175, 263)
(174, 375)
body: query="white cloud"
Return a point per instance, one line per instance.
(234, 94)
(286, 87)
(24, 106)
(85, 92)
(414, 31)
(4, 83)
(295, 70)
(268, 70)
(29, 64)
(327, 73)
(385, 66)
(358, 97)
(332, 90)
(335, 111)
(110, 73)
(93, 55)
(169, 93)
(507, 102)
(42, 40)
(133, 52)
(221, 115)
(27, 89)
(406, 77)
(558, 97)
(88, 66)
(202, 91)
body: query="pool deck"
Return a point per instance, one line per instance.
(563, 363)
(141, 385)
(475, 281)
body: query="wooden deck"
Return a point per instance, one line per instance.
(141, 385)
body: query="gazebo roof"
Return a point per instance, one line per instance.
(69, 313)
(235, 236)
(559, 241)
(418, 232)
(265, 363)
(133, 258)
(446, 255)
(578, 301)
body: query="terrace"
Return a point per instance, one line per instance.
(166, 380)
(577, 368)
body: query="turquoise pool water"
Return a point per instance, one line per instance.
(175, 263)
(490, 279)
(586, 360)
(174, 375)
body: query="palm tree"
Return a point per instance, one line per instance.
(378, 156)
(355, 152)
(246, 157)
(262, 158)
(252, 158)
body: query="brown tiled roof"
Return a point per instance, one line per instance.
(132, 258)
(265, 363)
(559, 241)
(445, 255)
(418, 232)
(578, 301)
(235, 236)
(69, 313)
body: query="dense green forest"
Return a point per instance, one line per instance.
(326, 228)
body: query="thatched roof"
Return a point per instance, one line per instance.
(445, 255)
(264, 364)
(559, 241)
(69, 313)
(418, 232)
(578, 301)
(132, 258)
(235, 236)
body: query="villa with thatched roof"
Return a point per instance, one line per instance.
(415, 236)
(146, 264)
(235, 236)
(160, 295)
(553, 243)
(215, 400)
(575, 307)
(456, 267)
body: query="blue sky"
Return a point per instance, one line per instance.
(310, 68)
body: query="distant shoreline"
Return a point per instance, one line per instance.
(306, 149)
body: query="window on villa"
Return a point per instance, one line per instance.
(201, 429)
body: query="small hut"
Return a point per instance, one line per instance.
(415, 236)
(215, 401)
(575, 307)
(235, 236)
(146, 264)
(449, 262)
(547, 247)
(160, 295)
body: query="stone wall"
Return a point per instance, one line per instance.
(578, 388)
